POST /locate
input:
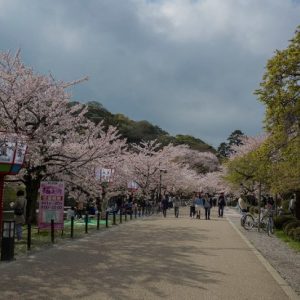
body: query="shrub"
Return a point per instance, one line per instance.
(290, 226)
(280, 220)
(285, 205)
(296, 234)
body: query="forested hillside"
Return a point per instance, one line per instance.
(136, 131)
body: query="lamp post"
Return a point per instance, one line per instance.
(12, 154)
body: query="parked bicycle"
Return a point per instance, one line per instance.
(249, 221)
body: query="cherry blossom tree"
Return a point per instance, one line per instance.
(202, 162)
(214, 183)
(160, 170)
(61, 141)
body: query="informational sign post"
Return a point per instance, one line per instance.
(51, 205)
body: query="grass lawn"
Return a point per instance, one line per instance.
(291, 243)
(42, 239)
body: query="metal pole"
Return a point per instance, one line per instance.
(72, 227)
(98, 220)
(106, 220)
(86, 222)
(28, 236)
(52, 231)
(114, 218)
(1, 199)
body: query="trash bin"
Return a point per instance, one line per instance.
(8, 240)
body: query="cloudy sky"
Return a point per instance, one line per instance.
(188, 66)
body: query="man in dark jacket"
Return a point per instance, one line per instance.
(221, 204)
(165, 205)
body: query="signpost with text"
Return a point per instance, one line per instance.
(51, 205)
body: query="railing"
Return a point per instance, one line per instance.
(33, 238)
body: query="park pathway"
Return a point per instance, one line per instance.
(151, 258)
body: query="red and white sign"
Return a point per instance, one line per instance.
(51, 205)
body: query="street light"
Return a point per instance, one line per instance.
(12, 154)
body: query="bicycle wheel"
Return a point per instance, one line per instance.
(264, 223)
(248, 222)
(242, 220)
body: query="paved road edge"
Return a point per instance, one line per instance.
(282, 283)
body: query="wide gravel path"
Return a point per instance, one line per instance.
(151, 258)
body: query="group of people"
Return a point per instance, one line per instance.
(197, 204)
(168, 202)
(206, 202)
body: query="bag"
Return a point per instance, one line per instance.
(207, 204)
(19, 211)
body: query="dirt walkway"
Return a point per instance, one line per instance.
(153, 258)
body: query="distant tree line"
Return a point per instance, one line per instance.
(138, 131)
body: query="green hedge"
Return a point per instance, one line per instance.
(279, 221)
(290, 226)
(296, 234)
(285, 205)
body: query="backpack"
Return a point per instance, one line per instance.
(19, 211)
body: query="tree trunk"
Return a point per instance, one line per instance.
(32, 189)
(297, 208)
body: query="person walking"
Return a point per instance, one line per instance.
(198, 205)
(176, 204)
(207, 206)
(292, 204)
(19, 212)
(192, 208)
(164, 205)
(221, 204)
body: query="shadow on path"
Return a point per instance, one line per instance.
(142, 253)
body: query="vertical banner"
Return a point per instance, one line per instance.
(51, 205)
